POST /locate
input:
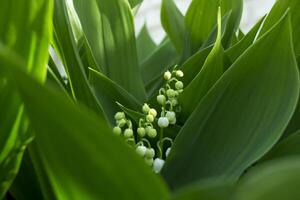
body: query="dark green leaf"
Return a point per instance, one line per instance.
(240, 118)
(276, 180)
(145, 44)
(173, 22)
(108, 27)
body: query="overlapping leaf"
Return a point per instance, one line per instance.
(240, 118)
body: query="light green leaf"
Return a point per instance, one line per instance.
(134, 3)
(240, 118)
(276, 180)
(145, 44)
(206, 78)
(99, 165)
(67, 49)
(173, 22)
(108, 27)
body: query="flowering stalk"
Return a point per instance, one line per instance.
(167, 98)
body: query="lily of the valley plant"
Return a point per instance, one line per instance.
(209, 113)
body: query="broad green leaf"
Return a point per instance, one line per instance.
(173, 22)
(79, 154)
(108, 27)
(67, 49)
(276, 180)
(192, 66)
(206, 78)
(277, 11)
(201, 17)
(157, 62)
(145, 44)
(289, 146)
(25, 27)
(211, 189)
(108, 93)
(240, 118)
(235, 51)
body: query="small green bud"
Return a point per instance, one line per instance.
(153, 112)
(141, 131)
(168, 151)
(117, 130)
(152, 133)
(167, 75)
(119, 115)
(161, 99)
(149, 161)
(171, 93)
(163, 122)
(121, 123)
(171, 115)
(150, 153)
(178, 85)
(146, 108)
(150, 118)
(141, 150)
(174, 102)
(128, 133)
(179, 73)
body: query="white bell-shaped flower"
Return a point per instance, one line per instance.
(158, 165)
(163, 122)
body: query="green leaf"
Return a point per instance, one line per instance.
(67, 49)
(212, 189)
(289, 146)
(276, 180)
(211, 71)
(173, 22)
(26, 28)
(235, 51)
(201, 17)
(240, 118)
(277, 11)
(108, 27)
(108, 93)
(99, 165)
(145, 44)
(134, 3)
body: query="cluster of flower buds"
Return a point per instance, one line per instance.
(123, 126)
(168, 98)
(146, 124)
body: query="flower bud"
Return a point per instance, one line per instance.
(145, 108)
(141, 131)
(168, 151)
(178, 85)
(171, 116)
(117, 130)
(150, 153)
(149, 161)
(141, 150)
(119, 115)
(150, 118)
(173, 121)
(179, 73)
(153, 112)
(174, 102)
(163, 122)
(167, 75)
(121, 122)
(152, 133)
(128, 133)
(158, 165)
(171, 93)
(161, 99)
